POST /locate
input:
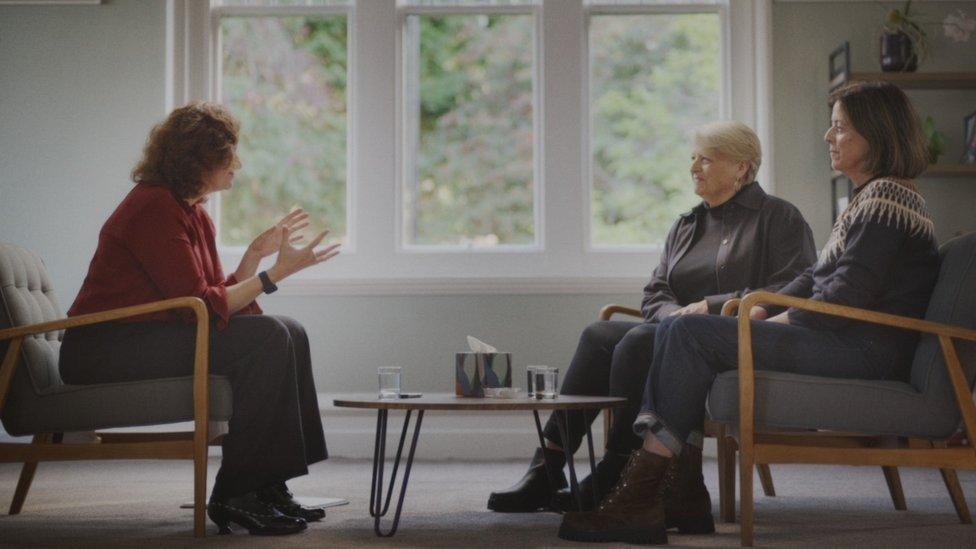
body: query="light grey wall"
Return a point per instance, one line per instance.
(351, 336)
(79, 88)
(804, 34)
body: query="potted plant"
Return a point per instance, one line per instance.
(903, 41)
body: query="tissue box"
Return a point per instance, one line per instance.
(475, 371)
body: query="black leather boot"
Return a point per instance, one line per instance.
(687, 504)
(607, 473)
(282, 500)
(260, 518)
(534, 490)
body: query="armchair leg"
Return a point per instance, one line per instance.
(745, 498)
(27, 477)
(894, 487)
(726, 475)
(951, 480)
(766, 478)
(200, 448)
(955, 492)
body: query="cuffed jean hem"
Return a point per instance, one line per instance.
(696, 439)
(649, 422)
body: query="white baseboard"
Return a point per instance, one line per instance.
(465, 436)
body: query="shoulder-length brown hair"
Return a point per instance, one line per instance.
(194, 140)
(885, 117)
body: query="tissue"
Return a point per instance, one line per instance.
(478, 346)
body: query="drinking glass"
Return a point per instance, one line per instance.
(530, 381)
(547, 383)
(389, 378)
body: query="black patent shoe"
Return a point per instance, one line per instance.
(534, 490)
(282, 500)
(258, 517)
(607, 473)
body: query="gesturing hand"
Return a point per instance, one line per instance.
(292, 259)
(269, 241)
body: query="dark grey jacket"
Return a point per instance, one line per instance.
(766, 243)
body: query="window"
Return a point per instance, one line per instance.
(284, 74)
(653, 76)
(469, 146)
(469, 179)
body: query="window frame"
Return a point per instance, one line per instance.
(563, 262)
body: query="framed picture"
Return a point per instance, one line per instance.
(969, 144)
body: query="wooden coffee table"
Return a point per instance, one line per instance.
(562, 405)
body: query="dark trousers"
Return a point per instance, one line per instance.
(689, 351)
(276, 428)
(612, 358)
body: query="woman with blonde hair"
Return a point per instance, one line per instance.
(736, 240)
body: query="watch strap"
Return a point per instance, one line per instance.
(266, 283)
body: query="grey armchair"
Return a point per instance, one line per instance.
(34, 401)
(789, 418)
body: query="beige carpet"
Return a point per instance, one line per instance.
(135, 504)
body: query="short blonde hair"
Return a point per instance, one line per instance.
(732, 139)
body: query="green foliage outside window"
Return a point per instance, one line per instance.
(473, 182)
(653, 77)
(285, 78)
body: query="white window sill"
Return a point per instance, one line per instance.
(459, 286)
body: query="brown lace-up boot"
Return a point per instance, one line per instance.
(687, 504)
(634, 510)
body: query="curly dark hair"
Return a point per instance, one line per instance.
(194, 140)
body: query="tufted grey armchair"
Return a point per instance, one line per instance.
(34, 401)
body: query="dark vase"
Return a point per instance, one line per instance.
(897, 53)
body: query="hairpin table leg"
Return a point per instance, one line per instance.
(377, 507)
(562, 420)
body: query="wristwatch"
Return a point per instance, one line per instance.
(266, 283)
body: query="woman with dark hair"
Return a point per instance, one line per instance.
(881, 255)
(159, 244)
(738, 238)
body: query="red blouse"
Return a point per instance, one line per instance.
(156, 246)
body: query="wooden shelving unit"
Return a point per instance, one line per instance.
(951, 170)
(913, 80)
(841, 73)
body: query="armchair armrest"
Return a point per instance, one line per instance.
(201, 364)
(194, 303)
(609, 310)
(731, 307)
(945, 333)
(854, 313)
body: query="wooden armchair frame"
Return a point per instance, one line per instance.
(846, 448)
(725, 444)
(172, 445)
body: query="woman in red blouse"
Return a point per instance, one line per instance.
(159, 244)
